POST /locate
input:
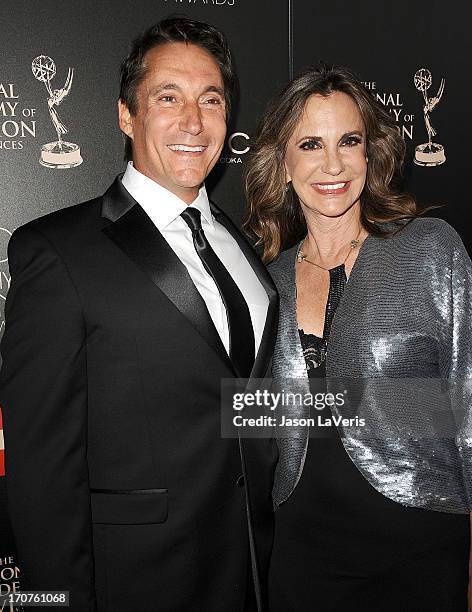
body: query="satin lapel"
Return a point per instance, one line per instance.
(135, 234)
(269, 334)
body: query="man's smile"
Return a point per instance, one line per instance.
(180, 148)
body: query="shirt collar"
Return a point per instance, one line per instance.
(160, 204)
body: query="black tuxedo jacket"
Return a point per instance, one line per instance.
(120, 486)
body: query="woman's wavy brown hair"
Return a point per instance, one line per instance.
(274, 213)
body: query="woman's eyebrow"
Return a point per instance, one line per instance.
(320, 138)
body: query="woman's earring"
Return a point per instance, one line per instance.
(287, 187)
(367, 160)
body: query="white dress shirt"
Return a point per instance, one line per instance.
(164, 209)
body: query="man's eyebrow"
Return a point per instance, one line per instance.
(157, 89)
(215, 89)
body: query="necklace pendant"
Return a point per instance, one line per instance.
(354, 243)
(323, 351)
(300, 257)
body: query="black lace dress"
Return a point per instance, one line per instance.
(341, 546)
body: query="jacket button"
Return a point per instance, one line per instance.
(240, 481)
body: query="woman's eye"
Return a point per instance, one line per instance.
(167, 98)
(351, 141)
(309, 145)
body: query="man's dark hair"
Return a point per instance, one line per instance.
(174, 30)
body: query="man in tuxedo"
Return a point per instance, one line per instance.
(124, 314)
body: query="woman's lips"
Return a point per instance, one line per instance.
(331, 188)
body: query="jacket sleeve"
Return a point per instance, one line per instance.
(456, 353)
(43, 394)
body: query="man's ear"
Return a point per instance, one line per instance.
(125, 120)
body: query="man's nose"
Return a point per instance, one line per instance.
(191, 120)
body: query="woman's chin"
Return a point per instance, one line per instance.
(328, 208)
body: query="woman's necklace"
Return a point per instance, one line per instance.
(353, 245)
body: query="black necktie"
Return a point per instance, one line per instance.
(241, 334)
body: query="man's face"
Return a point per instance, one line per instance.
(179, 127)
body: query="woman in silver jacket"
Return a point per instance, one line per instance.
(374, 492)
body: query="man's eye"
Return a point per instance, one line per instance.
(310, 145)
(211, 101)
(167, 98)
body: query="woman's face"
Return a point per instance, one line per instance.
(325, 156)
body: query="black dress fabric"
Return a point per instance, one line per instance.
(341, 545)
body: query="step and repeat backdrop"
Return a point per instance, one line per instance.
(66, 56)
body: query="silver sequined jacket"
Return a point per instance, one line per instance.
(403, 331)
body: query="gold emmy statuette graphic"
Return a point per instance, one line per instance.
(58, 154)
(430, 153)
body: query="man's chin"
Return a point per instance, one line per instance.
(193, 181)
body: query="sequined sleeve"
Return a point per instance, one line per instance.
(456, 352)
